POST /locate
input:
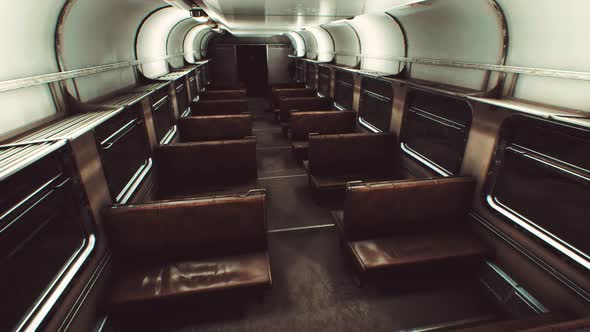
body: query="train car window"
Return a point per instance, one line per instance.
(193, 84)
(162, 113)
(540, 180)
(344, 89)
(435, 130)
(310, 78)
(299, 71)
(324, 81)
(44, 233)
(182, 98)
(123, 148)
(204, 75)
(376, 103)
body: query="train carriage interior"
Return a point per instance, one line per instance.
(295, 165)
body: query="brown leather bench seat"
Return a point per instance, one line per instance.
(288, 105)
(327, 122)
(276, 94)
(302, 104)
(219, 107)
(290, 85)
(205, 168)
(223, 94)
(177, 250)
(410, 226)
(334, 160)
(214, 127)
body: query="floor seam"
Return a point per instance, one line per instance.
(302, 228)
(278, 177)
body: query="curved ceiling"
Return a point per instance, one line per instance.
(152, 39)
(455, 30)
(176, 40)
(263, 17)
(192, 42)
(324, 43)
(297, 42)
(372, 30)
(347, 47)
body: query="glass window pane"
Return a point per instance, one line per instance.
(123, 148)
(376, 103)
(344, 89)
(436, 128)
(310, 72)
(542, 180)
(41, 233)
(324, 81)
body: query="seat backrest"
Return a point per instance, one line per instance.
(330, 122)
(291, 92)
(219, 107)
(223, 94)
(397, 207)
(187, 229)
(214, 127)
(286, 104)
(202, 163)
(344, 153)
(292, 85)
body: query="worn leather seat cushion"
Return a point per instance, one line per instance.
(415, 250)
(180, 279)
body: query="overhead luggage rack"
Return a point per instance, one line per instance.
(179, 80)
(150, 86)
(118, 131)
(177, 74)
(71, 127)
(126, 99)
(17, 156)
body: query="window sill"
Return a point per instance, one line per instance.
(369, 126)
(424, 161)
(537, 231)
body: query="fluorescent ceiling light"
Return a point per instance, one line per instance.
(201, 19)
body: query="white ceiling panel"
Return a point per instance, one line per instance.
(276, 17)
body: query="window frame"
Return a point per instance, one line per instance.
(416, 155)
(341, 82)
(366, 124)
(299, 71)
(309, 79)
(512, 217)
(135, 121)
(320, 77)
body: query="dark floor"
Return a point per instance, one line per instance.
(313, 288)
